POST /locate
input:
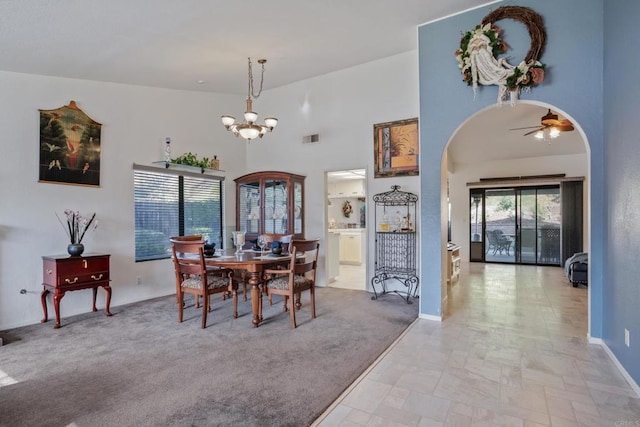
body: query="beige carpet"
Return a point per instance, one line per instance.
(141, 367)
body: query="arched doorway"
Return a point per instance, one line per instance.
(485, 152)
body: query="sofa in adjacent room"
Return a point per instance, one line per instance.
(576, 267)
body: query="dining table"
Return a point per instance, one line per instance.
(254, 263)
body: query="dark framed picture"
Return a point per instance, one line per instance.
(69, 147)
(396, 148)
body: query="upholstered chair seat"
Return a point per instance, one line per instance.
(282, 283)
(214, 281)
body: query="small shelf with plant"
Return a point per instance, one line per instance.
(191, 160)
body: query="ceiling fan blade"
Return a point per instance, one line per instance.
(534, 131)
(565, 126)
(527, 127)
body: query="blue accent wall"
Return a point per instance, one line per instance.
(621, 296)
(573, 83)
(592, 67)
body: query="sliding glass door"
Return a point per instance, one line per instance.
(520, 225)
(500, 225)
(527, 227)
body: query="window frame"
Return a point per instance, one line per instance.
(180, 195)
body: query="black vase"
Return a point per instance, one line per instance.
(209, 249)
(276, 249)
(75, 249)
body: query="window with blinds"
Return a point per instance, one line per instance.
(174, 204)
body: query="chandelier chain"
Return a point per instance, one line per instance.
(251, 91)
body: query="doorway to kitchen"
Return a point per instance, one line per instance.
(346, 234)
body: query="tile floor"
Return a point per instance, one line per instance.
(351, 277)
(512, 351)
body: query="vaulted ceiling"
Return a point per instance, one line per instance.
(487, 136)
(176, 44)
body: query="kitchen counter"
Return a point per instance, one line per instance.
(347, 230)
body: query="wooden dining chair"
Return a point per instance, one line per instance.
(285, 239)
(300, 276)
(188, 238)
(193, 277)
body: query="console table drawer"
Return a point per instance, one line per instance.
(73, 270)
(72, 279)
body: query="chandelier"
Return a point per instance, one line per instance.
(248, 128)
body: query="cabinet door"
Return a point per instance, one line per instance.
(275, 206)
(354, 188)
(339, 189)
(331, 189)
(249, 207)
(350, 248)
(297, 208)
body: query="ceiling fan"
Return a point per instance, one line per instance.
(550, 127)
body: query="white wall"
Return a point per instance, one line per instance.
(135, 122)
(342, 108)
(571, 165)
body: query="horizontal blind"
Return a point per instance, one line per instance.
(170, 205)
(203, 208)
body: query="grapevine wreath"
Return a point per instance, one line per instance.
(479, 49)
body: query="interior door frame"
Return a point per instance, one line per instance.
(327, 250)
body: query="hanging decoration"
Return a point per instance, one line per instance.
(479, 50)
(347, 210)
(69, 147)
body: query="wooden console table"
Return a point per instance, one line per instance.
(62, 273)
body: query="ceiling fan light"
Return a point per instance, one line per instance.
(539, 135)
(554, 132)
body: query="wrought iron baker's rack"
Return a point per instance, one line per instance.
(395, 243)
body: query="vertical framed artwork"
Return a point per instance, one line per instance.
(69, 147)
(396, 148)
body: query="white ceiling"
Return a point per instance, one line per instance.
(486, 136)
(346, 175)
(176, 43)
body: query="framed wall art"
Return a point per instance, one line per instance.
(396, 148)
(69, 147)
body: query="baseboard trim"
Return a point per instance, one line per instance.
(430, 317)
(614, 359)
